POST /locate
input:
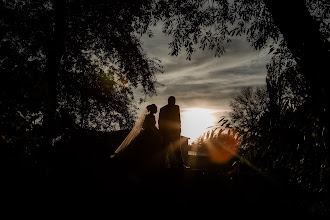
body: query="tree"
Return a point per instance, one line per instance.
(308, 43)
(297, 34)
(298, 138)
(303, 25)
(76, 54)
(248, 108)
(278, 130)
(81, 56)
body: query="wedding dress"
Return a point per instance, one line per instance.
(141, 150)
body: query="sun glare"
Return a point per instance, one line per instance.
(194, 122)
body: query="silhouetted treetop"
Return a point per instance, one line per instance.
(78, 54)
(303, 26)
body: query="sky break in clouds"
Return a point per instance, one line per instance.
(205, 81)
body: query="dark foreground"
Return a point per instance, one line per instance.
(78, 183)
(194, 192)
(173, 192)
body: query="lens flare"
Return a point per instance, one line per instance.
(222, 148)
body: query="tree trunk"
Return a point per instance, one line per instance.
(309, 48)
(55, 52)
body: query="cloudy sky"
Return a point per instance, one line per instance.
(205, 81)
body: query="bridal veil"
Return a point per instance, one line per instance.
(133, 133)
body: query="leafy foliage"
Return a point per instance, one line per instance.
(102, 58)
(284, 127)
(81, 60)
(220, 143)
(278, 131)
(211, 24)
(78, 60)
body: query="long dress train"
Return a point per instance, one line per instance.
(140, 153)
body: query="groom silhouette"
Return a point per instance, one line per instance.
(169, 122)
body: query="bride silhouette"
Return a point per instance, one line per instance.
(140, 153)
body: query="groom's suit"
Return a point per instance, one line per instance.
(170, 130)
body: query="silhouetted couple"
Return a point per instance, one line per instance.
(147, 148)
